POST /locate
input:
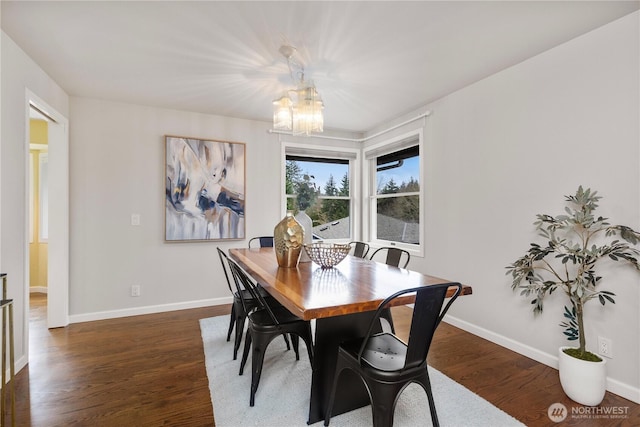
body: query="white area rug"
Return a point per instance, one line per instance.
(283, 395)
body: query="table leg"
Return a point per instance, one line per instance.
(351, 392)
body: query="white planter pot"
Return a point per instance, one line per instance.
(583, 382)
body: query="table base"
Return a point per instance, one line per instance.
(351, 392)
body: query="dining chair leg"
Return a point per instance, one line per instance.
(286, 340)
(340, 366)
(309, 343)
(295, 341)
(232, 320)
(240, 319)
(383, 402)
(426, 384)
(245, 352)
(260, 344)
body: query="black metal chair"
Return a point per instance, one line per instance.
(266, 323)
(386, 364)
(360, 249)
(394, 256)
(238, 310)
(263, 241)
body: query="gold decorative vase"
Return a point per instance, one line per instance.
(288, 237)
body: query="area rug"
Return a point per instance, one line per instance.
(282, 398)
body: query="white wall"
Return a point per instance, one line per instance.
(513, 145)
(19, 74)
(117, 169)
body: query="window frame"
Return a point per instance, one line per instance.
(370, 155)
(353, 156)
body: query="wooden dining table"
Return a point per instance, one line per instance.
(342, 300)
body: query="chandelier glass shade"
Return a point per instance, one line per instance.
(299, 110)
(282, 114)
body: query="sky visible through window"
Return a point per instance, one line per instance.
(322, 171)
(409, 169)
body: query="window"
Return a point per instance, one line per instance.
(395, 192)
(324, 182)
(320, 187)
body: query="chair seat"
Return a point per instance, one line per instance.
(262, 320)
(251, 302)
(247, 295)
(383, 352)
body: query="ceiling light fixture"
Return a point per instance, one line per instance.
(298, 110)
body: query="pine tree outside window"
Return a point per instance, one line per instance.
(321, 187)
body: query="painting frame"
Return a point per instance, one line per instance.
(205, 187)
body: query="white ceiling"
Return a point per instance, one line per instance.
(371, 61)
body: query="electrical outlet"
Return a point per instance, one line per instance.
(605, 347)
(135, 290)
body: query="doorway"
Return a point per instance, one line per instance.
(54, 211)
(38, 207)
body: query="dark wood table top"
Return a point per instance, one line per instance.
(353, 286)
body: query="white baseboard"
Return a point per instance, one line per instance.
(137, 311)
(38, 289)
(614, 386)
(17, 366)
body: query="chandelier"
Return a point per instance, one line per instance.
(298, 110)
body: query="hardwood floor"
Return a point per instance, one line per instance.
(134, 371)
(149, 371)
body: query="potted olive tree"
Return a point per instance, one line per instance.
(575, 243)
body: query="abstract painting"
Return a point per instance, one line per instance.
(205, 187)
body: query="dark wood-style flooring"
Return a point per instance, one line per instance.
(149, 371)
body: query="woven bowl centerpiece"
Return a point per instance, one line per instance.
(326, 255)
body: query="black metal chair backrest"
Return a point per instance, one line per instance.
(394, 256)
(263, 241)
(243, 282)
(225, 262)
(360, 249)
(427, 314)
